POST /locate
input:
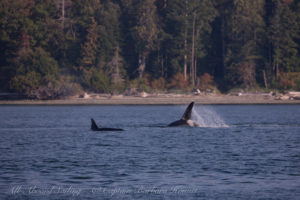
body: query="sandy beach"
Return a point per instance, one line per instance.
(155, 100)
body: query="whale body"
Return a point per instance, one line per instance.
(94, 127)
(186, 118)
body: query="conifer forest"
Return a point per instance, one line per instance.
(62, 47)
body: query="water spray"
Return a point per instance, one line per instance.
(208, 118)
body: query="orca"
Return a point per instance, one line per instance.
(94, 127)
(186, 118)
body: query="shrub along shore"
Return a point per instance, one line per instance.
(146, 99)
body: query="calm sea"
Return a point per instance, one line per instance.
(239, 152)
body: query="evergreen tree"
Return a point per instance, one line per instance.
(203, 13)
(45, 30)
(83, 13)
(14, 20)
(89, 52)
(116, 71)
(189, 27)
(215, 61)
(170, 43)
(244, 47)
(34, 69)
(284, 30)
(110, 53)
(177, 28)
(109, 31)
(145, 31)
(89, 48)
(297, 11)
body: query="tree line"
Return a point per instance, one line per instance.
(53, 48)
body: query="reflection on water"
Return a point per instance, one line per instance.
(241, 152)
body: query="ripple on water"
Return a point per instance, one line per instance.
(241, 152)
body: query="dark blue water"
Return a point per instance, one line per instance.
(241, 152)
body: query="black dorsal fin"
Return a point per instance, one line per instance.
(94, 125)
(188, 112)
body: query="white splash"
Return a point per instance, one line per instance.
(207, 118)
(191, 123)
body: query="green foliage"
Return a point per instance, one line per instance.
(89, 48)
(244, 49)
(284, 29)
(166, 43)
(99, 82)
(141, 83)
(95, 80)
(185, 19)
(34, 69)
(116, 72)
(109, 30)
(26, 82)
(145, 30)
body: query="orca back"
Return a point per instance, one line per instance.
(94, 127)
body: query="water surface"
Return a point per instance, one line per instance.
(248, 152)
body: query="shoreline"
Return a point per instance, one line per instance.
(185, 99)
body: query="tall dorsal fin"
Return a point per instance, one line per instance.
(188, 112)
(94, 125)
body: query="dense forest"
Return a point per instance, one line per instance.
(54, 48)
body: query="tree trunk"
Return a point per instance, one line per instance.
(63, 13)
(117, 70)
(162, 66)
(277, 71)
(142, 64)
(193, 52)
(185, 44)
(223, 45)
(265, 79)
(195, 66)
(160, 61)
(185, 60)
